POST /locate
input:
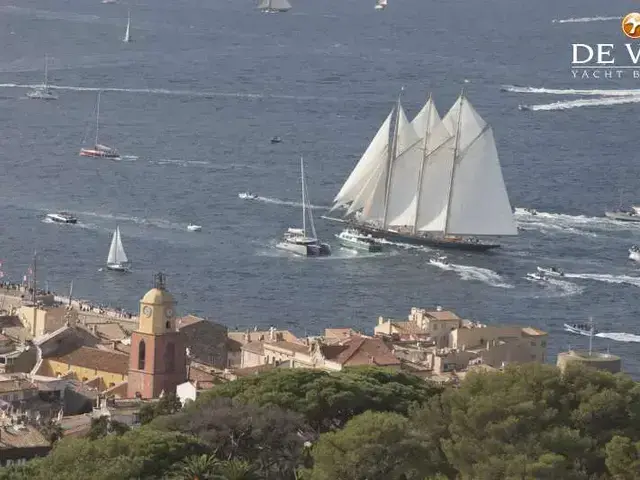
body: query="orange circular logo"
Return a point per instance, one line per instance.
(631, 25)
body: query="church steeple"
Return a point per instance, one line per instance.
(157, 360)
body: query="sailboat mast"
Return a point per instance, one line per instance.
(304, 198)
(455, 158)
(117, 245)
(390, 160)
(97, 118)
(422, 164)
(46, 67)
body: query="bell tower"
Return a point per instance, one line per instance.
(157, 360)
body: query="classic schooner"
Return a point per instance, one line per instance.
(432, 181)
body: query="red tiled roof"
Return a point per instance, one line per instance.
(188, 320)
(361, 351)
(101, 360)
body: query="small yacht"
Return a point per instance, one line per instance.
(553, 271)
(634, 253)
(296, 240)
(117, 259)
(62, 217)
(274, 6)
(43, 92)
(276, 140)
(99, 150)
(248, 196)
(440, 261)
(537, 276)
(351, 238)
(194, 228)
(585, 329)
(623, 215)
(381, 4)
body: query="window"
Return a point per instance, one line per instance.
(170, 357)
(168, 325)
(141, 355)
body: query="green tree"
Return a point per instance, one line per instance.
(374, 446)
(166, 405)
(52, 431)
(237, 470)
(623, 458)
(197, 467)
(103, 426)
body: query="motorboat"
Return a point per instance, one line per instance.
(381, 5)
(276, 140)
(531, 211)
(525, 108)
(553, 271)
(623, 215)
(248, 196)
(351, 238)
(101, 151)
(537, 276)
(634, 253)
(62, 217)
(297, 240)
(194, 228)
(586, 329)
(440, 260)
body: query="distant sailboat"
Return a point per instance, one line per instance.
(381, 4)
(99, 150)
(127, 33)
(274, 6)
(43, 92)
(117, 259)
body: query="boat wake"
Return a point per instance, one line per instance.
(606, 97)
(153, 222)
(585, 19)
(277, 201)
(561, 287)
(184, 93)
(479, 274)
(619, 337)
(590, 102)
(607, 278)
(576, 224)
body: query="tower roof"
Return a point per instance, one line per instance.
(155, 296)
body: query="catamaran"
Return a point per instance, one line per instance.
(117, 259)
(274, 6)
(99, 150)
(127, 33)
(432, 181)
(381, 4)
(295, 240)
(43, 92)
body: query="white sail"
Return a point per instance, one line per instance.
(478, 202)
(279, 5)
(116, 250)
(375, 155)
(127, 33)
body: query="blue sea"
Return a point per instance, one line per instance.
(194, 100)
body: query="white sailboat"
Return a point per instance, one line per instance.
(431, 181)
(296, 240)
(127, 33)
(381, 4)
(274, 6)
(99, 150)
(43, 92)
(117, 259)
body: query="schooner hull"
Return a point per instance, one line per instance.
(420, 239)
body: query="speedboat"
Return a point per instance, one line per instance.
(524, 107)
(62, 217)
(42, 94)
(634, 253)
(623, 215)
(194, 228)
(350, 238)
(531, 211)
(296, 241)
(585, 329)
(101, 151)
(440, 260)
(553, 271)
(248, 196)
(537, 276)
(276, 140)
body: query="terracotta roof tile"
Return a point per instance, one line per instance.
(200, 375)
(254, 347)
(361, 351)
(101, 360)
(23, 438)
(188, 320)
(289, 346)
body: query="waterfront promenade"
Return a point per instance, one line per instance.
(12, 296)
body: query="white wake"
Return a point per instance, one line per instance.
(277, 201)
(590, 102)
(619, 337)
(576, 224)
(607, 278)
(480, 274)
(585, 19)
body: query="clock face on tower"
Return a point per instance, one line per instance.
(147, 311)
(169, 312)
